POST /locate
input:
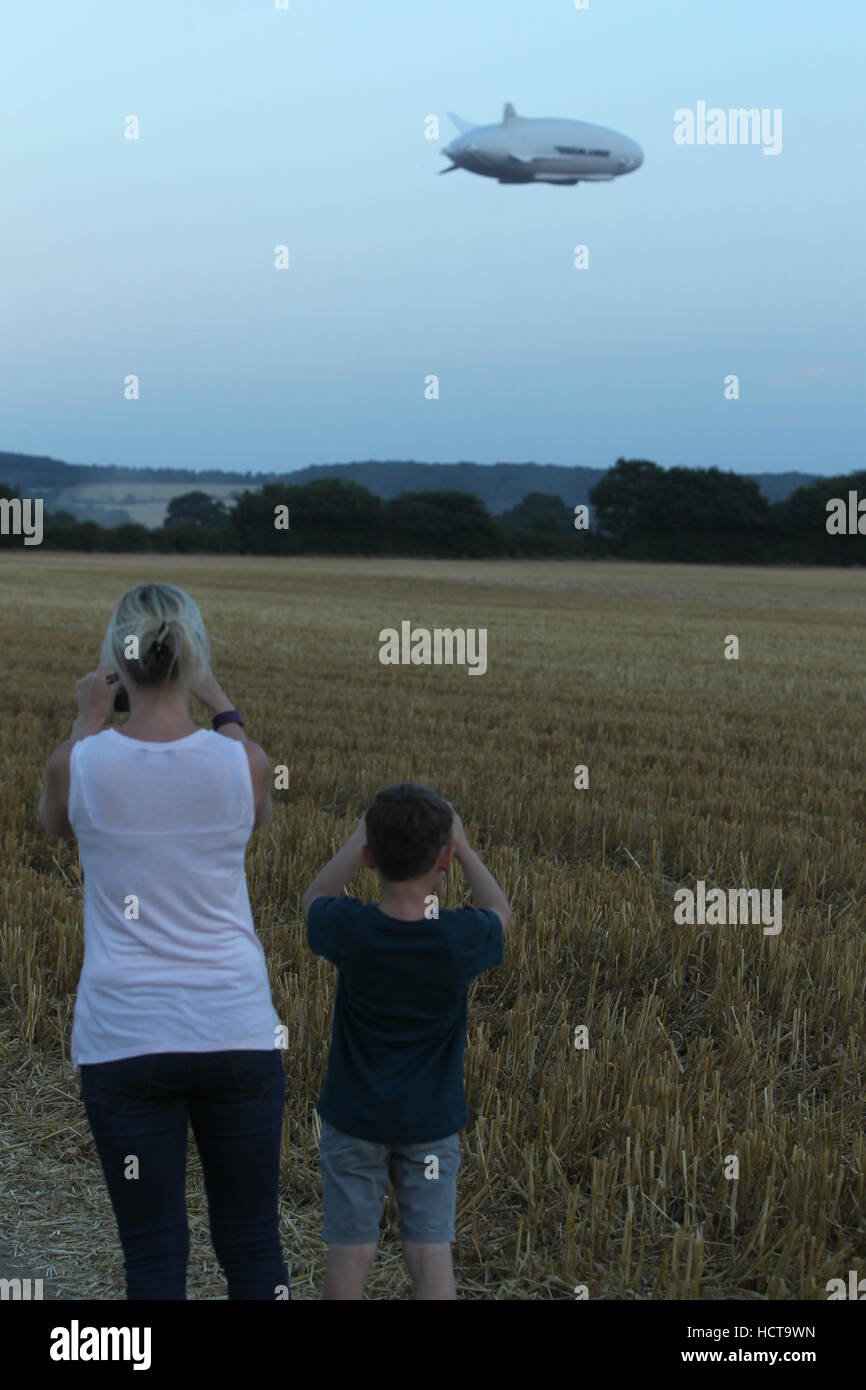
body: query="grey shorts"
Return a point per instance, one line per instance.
(355, 1175)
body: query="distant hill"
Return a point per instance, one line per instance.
(502, 485)
(51, 472)
(110, 494)
(499, 485)
(777, 486)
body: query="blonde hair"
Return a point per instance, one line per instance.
(171, 642)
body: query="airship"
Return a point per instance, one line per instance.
(524, 150)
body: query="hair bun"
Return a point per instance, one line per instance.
(171, 640)
(160, 653)
(159, 642)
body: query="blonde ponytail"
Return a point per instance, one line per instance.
(157, 634)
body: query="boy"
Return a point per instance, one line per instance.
(393, 1103)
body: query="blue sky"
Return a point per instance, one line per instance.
(306, 127)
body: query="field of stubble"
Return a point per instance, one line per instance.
(603, 1167)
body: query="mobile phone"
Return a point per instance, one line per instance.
(121, 701)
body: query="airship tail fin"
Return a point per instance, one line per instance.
(509, 114)
(459, 122)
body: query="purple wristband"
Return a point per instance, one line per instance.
(229, 716)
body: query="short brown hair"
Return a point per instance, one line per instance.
(407, 825)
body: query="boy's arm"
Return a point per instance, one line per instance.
(485, 889)
(330, 881)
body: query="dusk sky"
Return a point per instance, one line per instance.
(260, 126)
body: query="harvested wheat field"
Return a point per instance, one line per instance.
(604, 1165)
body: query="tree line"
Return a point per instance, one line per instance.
(638, 511)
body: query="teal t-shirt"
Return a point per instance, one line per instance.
(395, 1068)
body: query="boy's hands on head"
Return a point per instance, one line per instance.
(485, 889)
(459, 841)
(330, 881)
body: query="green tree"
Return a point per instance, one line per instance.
(326, 517)
(683, 514)
(540, 525)
(196, 509)
(803, 523)
(627, 503)
(446, 524)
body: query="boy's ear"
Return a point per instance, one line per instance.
(367, 856)
(446, 854)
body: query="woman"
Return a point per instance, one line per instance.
(173, 1017)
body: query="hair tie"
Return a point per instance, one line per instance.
(158, 646)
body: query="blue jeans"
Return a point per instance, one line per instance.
(138, 1109)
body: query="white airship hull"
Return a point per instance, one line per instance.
(542, 151)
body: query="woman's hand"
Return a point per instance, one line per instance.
(208, 689)
(95, 694)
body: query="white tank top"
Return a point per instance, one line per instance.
(172, 962)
